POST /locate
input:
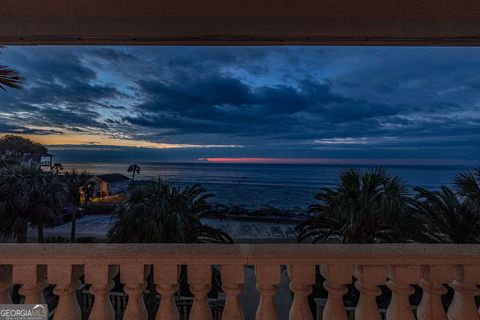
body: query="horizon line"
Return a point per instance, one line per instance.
(333, 161)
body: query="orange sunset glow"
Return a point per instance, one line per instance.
(332, 105)
(99, 140)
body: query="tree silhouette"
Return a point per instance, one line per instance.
(10, 78)
(468, 186)
(77, 185)
(17, 149)
(158, 212)
(29, 196)
(134, 169)
(366, 207)
(447, 217)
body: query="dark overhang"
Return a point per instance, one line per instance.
(231, 22)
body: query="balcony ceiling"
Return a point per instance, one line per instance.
(235, 22)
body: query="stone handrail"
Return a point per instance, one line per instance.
(398, 266)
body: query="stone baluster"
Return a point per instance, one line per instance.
(368, 280)
(233, 278)
(302, 277)
(66, 280)
(336, 278)
(100, 276)
(5, 284)
(431, 282)
(400, 280)
(465, 285)
(33, 279)
(166, 279)
(200, 281)
(134, 276)
(268, 279)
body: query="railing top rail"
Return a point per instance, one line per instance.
(365, 254)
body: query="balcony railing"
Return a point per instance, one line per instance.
(34, 266)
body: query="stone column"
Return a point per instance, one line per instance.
(463, 305)
(200, 281)
(133, 276)
(33, 279)
(400, 279)
(302, 277)
(233, 278)
(101, 279)
(5, 284)
(431, 282)
(336, 279)
(166, 279)
(368, 280)
(268, 278)
(66, 280)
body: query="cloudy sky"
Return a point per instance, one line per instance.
(267, 104)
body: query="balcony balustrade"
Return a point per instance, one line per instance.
(397, 267)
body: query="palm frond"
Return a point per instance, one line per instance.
(161, 212)
(366, 206)
(446, 217)
(10, 78)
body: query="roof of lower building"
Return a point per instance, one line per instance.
(112, 178)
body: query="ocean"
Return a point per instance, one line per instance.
(255, 186)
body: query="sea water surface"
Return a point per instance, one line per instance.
(261, 185)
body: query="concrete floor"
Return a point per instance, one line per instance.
(241, 231)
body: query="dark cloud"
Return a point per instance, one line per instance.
(273, 101)
(60, 91)
(221, 105)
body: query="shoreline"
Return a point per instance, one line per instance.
(287, 187)
(236, 212)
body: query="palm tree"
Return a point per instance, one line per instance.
(134, 169)
(447, 218)
(46, 210)
(10, 78)
(77, 185)
(468, 186)
(161, 212)
(365, 207)
(29, 196)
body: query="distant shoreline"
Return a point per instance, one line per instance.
(254, 186)
(340, 165)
